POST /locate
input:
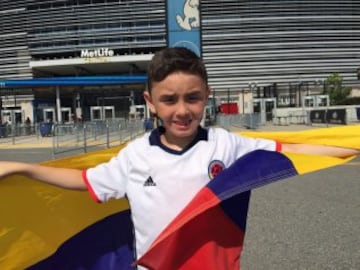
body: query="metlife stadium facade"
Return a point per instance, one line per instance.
(272, 49)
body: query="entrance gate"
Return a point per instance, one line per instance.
(102, 112)
(264, 106)
(12, 116)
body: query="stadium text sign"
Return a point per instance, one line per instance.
(100, 52)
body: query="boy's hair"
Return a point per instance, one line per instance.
(170, 60)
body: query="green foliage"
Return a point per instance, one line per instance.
(336, 91)
(352, 101)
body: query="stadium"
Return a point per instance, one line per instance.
(87, 59)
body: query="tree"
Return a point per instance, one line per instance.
(336, 91)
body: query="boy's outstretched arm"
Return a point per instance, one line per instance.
(313, 149)
(61, 177)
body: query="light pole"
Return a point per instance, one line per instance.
(243, 101)
(318, 84)
(252, 86)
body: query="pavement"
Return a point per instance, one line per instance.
(307, 222)
(31, 141)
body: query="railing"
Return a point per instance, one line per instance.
(12, 134)
(87, 136)
(80, 137)
(231, 121)
(94, 135)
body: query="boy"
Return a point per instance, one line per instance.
(147, 170)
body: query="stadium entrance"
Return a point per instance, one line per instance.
(98, 84)
(70, 99)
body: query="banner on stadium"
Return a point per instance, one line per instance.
(183, 24)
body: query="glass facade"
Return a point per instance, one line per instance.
(43, 30)
(262, 42)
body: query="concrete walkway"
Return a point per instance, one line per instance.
(31, 141)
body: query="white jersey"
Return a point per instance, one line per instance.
(160, 182)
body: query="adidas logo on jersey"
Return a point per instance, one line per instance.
(149, 182)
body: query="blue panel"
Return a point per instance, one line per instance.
(63, 81)
(183, 21)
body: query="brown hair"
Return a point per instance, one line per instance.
(170, 60)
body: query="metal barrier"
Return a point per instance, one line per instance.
(230, 121)
(94, 135)
(79, 137)
(12, 134)
(86, 136)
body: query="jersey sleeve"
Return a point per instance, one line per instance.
(108, 180)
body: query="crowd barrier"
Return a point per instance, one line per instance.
(77, 137)
(93, 135)
(230, 121)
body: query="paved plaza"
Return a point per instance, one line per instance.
(308, 222)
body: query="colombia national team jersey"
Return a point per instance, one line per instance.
(159, 182)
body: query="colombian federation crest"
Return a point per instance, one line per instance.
(215, 167)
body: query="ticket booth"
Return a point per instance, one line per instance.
(309, 101)
(322, 100)
(102, 113)
(66, 115)
(95, 113)
(270, 104)
(108, 112)
(49, 114)
(264, 106)
(256, 105)
(12, 116)
(138, 112)
(315, 101)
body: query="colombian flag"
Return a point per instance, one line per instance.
(44, 227)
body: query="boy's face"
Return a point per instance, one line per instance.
(179, 100)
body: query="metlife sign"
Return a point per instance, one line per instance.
(100, 52)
